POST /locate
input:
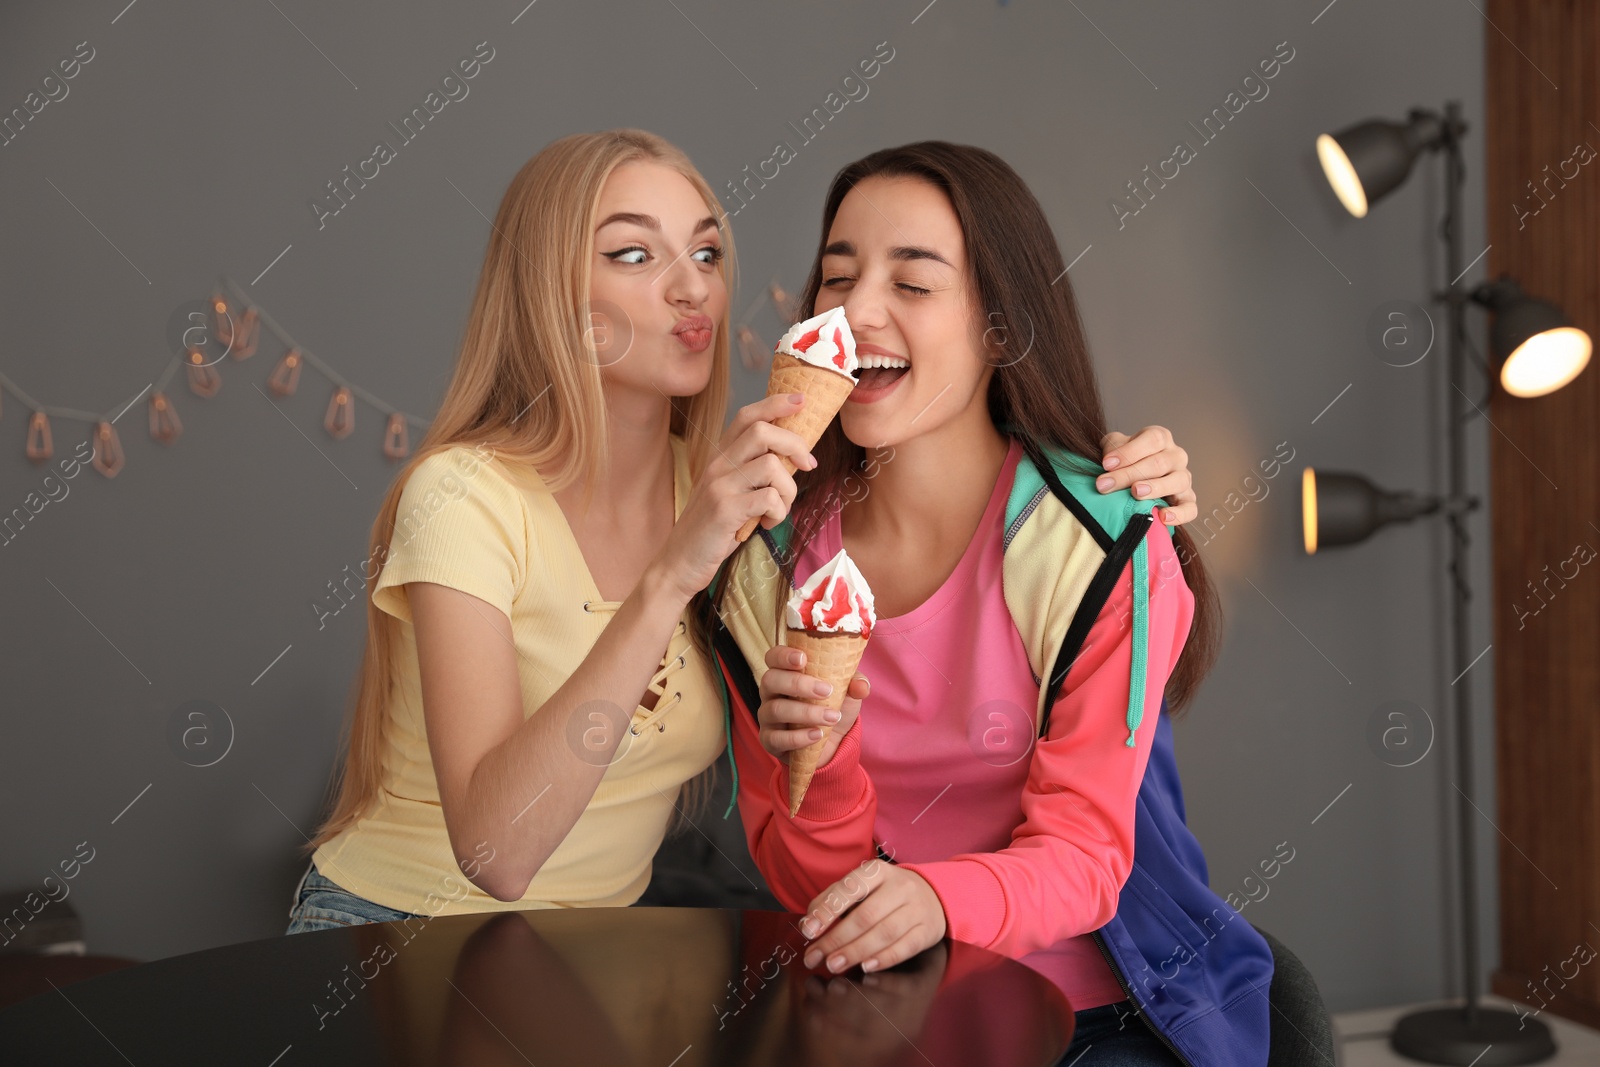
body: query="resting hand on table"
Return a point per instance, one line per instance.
(1151, 459)
(870, 1020)
(788, 719)
(896, 915)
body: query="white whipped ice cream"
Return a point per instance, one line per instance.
(823, 340)
(835, 599)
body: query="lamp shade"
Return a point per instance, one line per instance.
(1339, 508)
(1367, 161)
(1539, 348)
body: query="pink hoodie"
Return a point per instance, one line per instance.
(1026, 841)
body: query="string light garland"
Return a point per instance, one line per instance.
(241, 338)
(236, 324)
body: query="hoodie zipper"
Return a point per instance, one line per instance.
(1127, 989)
(1099, 590)
(1122, 549)
(1099, 940)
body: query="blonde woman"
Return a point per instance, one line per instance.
(532, 701)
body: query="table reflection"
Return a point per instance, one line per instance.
(602, 987)
(688, 987)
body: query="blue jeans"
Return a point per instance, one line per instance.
(1115, 1035)
(320, 904)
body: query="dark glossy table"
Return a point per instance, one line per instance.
(645, 987)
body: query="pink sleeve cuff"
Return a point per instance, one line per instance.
(836, 789)
(974, 900)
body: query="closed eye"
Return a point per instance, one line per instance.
(914, 290)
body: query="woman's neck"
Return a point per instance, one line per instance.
(639, 450)
(935, 486)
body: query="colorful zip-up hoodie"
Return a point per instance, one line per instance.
(1198, 973)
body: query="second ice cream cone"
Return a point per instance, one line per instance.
(833, 657)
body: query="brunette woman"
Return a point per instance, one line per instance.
(1004, 746)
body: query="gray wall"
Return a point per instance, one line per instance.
(1233, 308)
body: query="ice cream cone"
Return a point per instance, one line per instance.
(826, 391)
(833, 657)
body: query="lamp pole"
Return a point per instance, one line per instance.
(1460, 590)
(1542, 352)
(1468, 1034)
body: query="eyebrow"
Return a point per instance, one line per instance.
(902, 252)
(650, 222)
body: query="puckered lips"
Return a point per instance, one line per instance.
(694, 331)
(879, 372)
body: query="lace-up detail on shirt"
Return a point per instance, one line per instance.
(670, 661)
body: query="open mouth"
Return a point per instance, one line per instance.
(876, 373)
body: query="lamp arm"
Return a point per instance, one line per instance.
(1471, 349)
(1487, 295)
(1428, 130)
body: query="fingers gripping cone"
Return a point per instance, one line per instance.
(825, 393)
(833, 658)
(830, 619)
(818, 358)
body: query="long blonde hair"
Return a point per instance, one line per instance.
(527, 385)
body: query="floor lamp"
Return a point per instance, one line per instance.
(1535, 350)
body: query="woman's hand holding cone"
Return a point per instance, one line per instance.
(825, 392)
(788, 717)
(748, 477)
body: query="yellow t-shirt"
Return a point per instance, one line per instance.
(492, 528)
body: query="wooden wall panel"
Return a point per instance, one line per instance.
(1543, 119)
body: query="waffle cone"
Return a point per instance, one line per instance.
(825, 390)
(833, 657)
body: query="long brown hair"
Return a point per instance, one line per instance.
(1043, 389)
(526, 387)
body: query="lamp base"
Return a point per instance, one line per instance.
(1498, 1038)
